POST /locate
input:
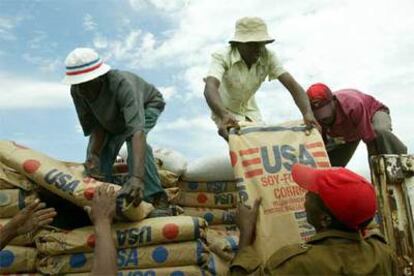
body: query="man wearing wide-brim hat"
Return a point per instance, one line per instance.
(238, 71)
(114, 107)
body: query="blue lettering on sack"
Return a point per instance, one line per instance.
(223, 199)
(284, 157)
(128, 257)
(77, 260)
(6, 258)
(177, 273)
(137, 273)
(134, 236)
(160, 254)
(61, 181)
(192, 185)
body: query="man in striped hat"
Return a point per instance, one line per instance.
(115, 107)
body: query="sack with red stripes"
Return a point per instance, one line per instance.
(262, 158)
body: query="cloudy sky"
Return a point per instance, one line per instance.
(363, 44)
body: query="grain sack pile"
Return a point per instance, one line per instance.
(262, 157)
(16, 191)
(208, 189)
(151, 244)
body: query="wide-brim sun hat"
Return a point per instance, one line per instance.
(251, 29)
(82, 65)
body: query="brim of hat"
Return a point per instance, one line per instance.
(305, 177)
(76, 79)
(268, 40)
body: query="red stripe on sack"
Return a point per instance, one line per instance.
(319, 154)
(323, 164)
(84, 71)
(249, 162)
(253, 173)
(249, 151)
(314, 145)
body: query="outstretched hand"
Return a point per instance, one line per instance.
(310, 122)
(32, 217)
(227, 121)
(103, 205)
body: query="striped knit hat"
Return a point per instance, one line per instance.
(82, 65)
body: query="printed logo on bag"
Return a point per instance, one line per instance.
(61, 181)
(134, 236)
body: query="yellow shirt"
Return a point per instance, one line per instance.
(238, 83)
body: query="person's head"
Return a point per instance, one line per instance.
(83, 68)
(323, 103)
(337, 198)
(250, 38)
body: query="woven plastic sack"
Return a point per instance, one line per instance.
(10, 179)
(217, 266)
(225, 230)
(224, 246)
(168, 179)
(13, 200)
(126, 235)
(208, 200)
(262, 158)
(168, 255)
(190, 270)
(67, 180)
(212, 168)
(212, 216)
(17, 259)
(209, 187)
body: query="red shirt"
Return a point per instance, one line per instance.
(354, 114)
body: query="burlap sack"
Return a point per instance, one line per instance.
(225, 246)
(126, 235)
(10, 179)
(217, 266)
(21, 240)
(262, 158)
(225, 230)
(212, 216)
(16, 259)
(208, 200)
(13, 200)
(168, 179)
(168, 255)
(209, 187)
(190, 270)
(64, 179)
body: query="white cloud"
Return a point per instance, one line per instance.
(20, 93)
(168, 92)
(163, 5)
(46, 65)
(37, 38)
(89, 22)
(202, 123)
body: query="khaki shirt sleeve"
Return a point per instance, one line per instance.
(217, 66)
(246, 262)
(275, 66)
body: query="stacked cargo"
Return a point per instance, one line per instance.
(16, 192)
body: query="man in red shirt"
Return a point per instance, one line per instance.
(348, 116)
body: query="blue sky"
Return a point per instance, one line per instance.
(362, 44)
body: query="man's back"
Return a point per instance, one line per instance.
(334, 253)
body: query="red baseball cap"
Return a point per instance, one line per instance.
(350, 197)
(320, 96)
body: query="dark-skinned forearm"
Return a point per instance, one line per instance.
(97, 140)
(212, 96)
(297, 92)
(7, 233)
(138, 149)
(105, 261)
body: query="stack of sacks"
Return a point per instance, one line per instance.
(209, 190)
(16, 192)
(156, 244)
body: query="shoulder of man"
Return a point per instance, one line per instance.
(287, 253)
